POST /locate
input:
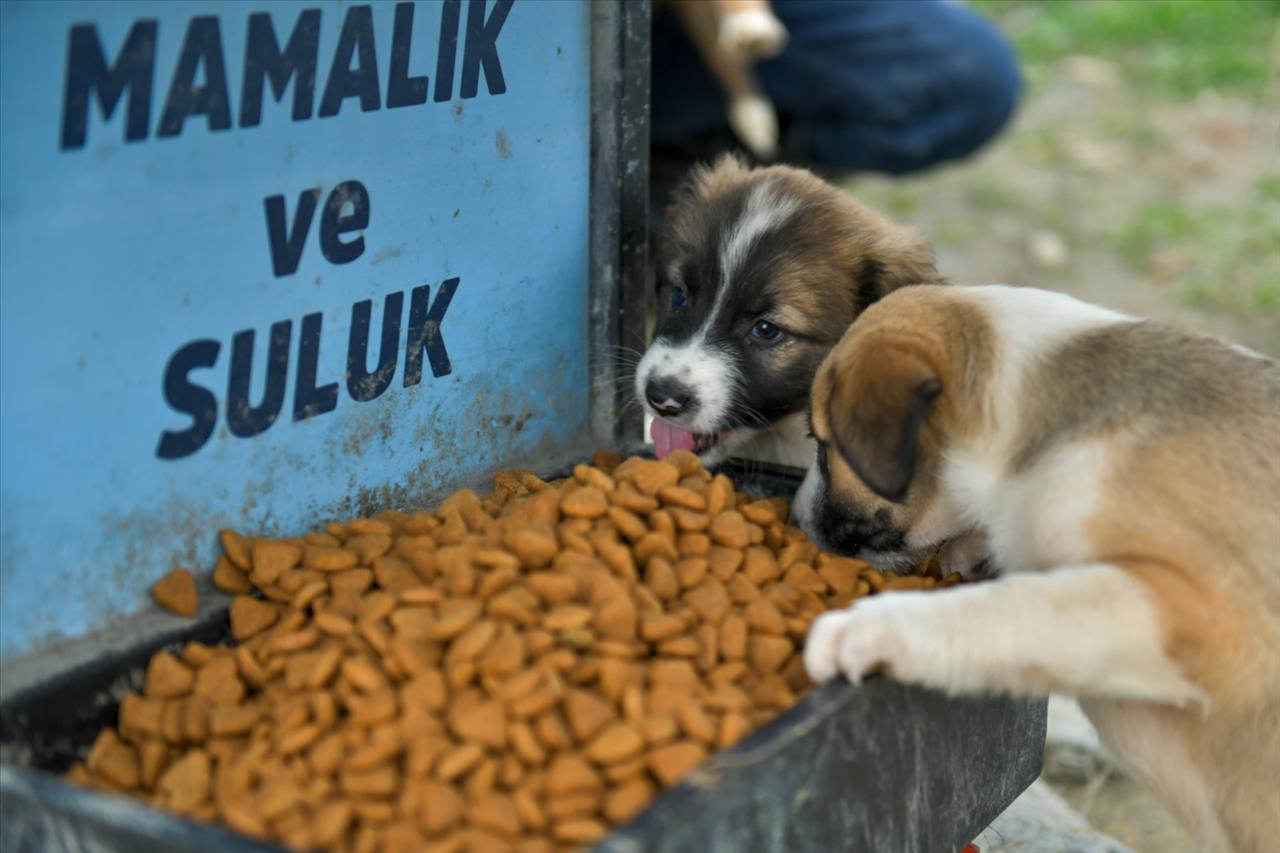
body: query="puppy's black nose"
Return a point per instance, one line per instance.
(667, 396)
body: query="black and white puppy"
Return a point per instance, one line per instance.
(759, 273)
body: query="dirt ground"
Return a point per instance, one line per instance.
(1127, 181)
(1163, 207)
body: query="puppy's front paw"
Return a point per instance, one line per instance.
(870, 635)
(849, 642)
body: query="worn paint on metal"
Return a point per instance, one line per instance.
(116, 254)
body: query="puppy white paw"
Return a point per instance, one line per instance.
(871, 635)
(755, 122)
(752, 34)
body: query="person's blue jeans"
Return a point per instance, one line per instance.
(864, 85)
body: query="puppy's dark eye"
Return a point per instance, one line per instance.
(679, 297)
(765, 332)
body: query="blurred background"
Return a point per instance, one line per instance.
(1142, 169)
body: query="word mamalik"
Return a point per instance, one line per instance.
(353, 72)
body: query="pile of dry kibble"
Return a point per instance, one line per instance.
(524, 670)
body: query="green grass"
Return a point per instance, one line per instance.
(901, 202)
(991, 194)
(1157, 226)
(1041, 145)
(1227, 257)
(1172, 48)
(1267, 189)
(1266, 296)
(1132, 129)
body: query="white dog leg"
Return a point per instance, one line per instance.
(755, 122)
(1085, 630)
(752, 34)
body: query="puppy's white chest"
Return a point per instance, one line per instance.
(1036, 518)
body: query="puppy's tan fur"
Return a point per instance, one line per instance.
(1126, 477)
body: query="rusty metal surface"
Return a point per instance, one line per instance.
(620, 212)
(863, 770)
(868, 769)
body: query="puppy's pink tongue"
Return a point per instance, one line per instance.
(668, 437)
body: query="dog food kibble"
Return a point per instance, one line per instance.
(521, 671)
(250, 616)
(176, 592)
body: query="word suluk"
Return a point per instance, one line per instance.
(245, 419)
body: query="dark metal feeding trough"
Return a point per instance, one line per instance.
(874, 768)
(883, 767)
(478, 221)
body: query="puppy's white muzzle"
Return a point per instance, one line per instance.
(706, 372)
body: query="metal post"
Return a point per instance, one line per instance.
(619, 212)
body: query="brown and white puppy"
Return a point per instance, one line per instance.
(730, 35)
(1127, 479)
(759, 273)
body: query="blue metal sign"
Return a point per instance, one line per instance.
(266, 263)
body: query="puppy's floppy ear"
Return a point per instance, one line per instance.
(898, 257)
(876, 411)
